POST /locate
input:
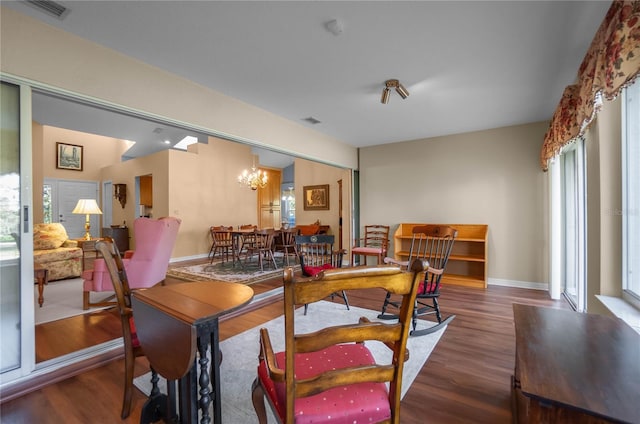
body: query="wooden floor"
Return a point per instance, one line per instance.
(465, 380)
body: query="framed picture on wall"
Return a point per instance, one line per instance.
(69, 156)
(316, 198)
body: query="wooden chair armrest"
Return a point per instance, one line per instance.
(393, 261)
(269, 357)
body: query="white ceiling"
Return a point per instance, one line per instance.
(467, 65)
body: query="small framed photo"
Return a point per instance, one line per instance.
(69, 156)
(316, 198)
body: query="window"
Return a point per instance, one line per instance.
(573, 224)
(631, 194)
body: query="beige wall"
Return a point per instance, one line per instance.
(313, 173)
(46, 55)
(198, 186)
(604, 206)
(98, 151)
(488, 177)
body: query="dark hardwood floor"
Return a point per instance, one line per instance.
(465, 380)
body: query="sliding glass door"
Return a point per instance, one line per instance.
(573, 224)
(16, 309)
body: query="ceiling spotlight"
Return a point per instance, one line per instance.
(385, 96)
(402, 91)
(393, 83)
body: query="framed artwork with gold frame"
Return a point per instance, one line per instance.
(316, 197)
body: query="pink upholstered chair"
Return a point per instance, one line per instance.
(146, 266)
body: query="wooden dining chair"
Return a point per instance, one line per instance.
(330, 375)
(132, 348)
(246, 239)
(374, 243)
(287, 244)
(222, 242)
(262, 248)
(316, 255)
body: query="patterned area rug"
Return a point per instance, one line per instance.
(248, 273)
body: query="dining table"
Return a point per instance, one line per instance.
(177, 326)
(236, 244)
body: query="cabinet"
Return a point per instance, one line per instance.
(120, 236)
(269, 212)
(574, 368)
(467, 264)
(89, 251)
(146, 190)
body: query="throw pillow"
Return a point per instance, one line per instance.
(48, 236)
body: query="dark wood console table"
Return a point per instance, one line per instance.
(177, 326)
(574, 368)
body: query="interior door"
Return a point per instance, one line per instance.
(269, 213)
(65, 195)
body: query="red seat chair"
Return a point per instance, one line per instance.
(316, 254)
(330, 375)
(374, 243)
(433, 244)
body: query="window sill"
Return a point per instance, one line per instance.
(622, 310)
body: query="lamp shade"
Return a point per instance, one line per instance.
(87, 206)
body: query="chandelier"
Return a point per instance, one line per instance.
(254, 179)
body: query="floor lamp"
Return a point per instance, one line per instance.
(87, 207)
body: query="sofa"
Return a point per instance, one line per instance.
(52, 250)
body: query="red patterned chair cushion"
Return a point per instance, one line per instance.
(314, 270)
(135, 342)
(430, 287)
(356, 403)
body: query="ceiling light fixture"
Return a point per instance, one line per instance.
(335, 27)
(254, 179)
(388, 85)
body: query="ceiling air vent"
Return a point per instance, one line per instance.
(311, 120)
(50, 8)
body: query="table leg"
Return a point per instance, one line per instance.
(204, 380)
(42, 278)
(216, 358)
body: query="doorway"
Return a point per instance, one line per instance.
(64, 195)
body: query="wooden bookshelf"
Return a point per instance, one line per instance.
(467, 264)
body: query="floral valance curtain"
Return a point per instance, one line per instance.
(611, 63)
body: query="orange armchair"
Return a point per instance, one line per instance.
(145, 267)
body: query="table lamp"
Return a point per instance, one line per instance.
(87, 207)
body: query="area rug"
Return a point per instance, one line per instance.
(240, 356)
(244, 273)
(62, 299)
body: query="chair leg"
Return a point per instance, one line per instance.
(129, 362)
(273, 259)
(257, 397)
(346, 301)
(85, 300)
(387, 301)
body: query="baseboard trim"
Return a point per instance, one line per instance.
(62, 368)
(518, 284)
